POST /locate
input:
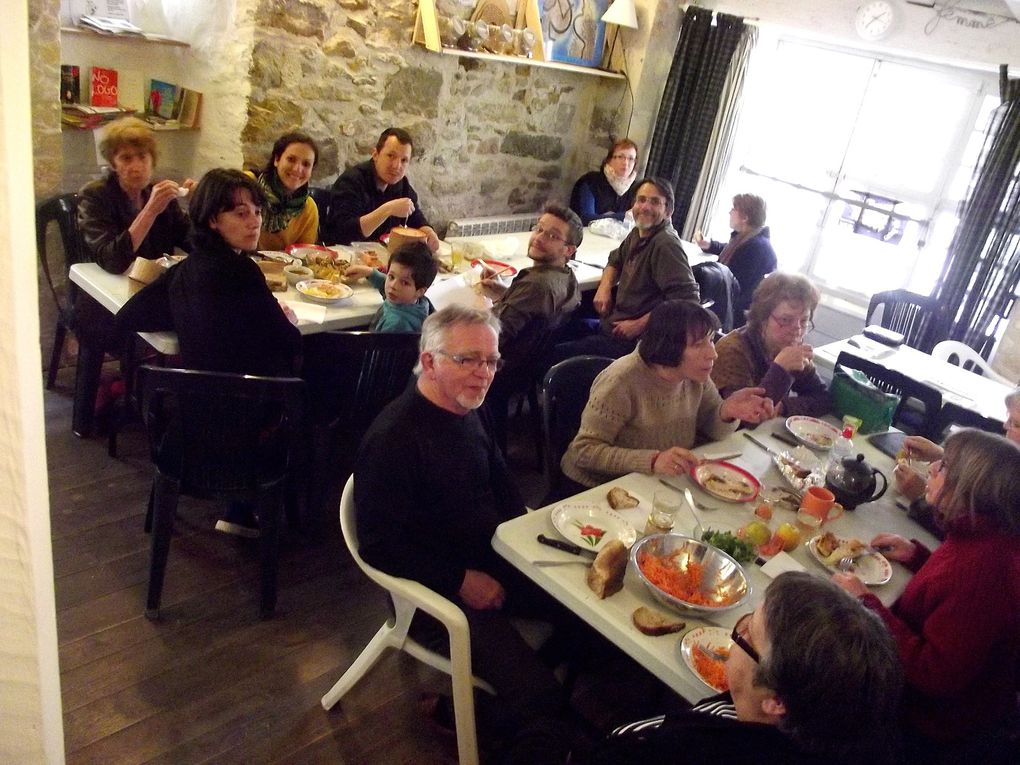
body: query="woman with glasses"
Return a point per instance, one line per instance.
(609, 192)
(957, 623)
(770, 352)
(748, 253)
(813, 678)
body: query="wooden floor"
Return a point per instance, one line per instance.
(211, 682)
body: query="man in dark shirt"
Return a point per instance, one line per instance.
(374, 196)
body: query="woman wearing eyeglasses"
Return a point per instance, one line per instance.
(748, 253)
(770, 351)
(957, 623)
(609, 192)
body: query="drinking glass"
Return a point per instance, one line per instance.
(665, 507)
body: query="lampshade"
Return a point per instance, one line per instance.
(621, 13)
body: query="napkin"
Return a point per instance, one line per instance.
(780, 563)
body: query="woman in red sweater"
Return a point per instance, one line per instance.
(957, 623)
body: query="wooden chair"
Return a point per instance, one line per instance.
(407, 597)
(218, 436)
(962, 355)
(918, 318)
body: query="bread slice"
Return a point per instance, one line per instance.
(620, 499)
(655, 623)
(605, 577)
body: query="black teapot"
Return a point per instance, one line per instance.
(854, 482)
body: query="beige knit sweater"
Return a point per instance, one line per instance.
(632, 414)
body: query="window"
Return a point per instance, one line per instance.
(862, 161)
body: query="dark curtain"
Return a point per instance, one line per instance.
(979, 280)
(683, 128)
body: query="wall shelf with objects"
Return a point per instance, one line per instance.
(141, 39)
(518, 35)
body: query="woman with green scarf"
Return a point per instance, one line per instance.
(290, 215)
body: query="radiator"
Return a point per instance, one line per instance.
(496, 224)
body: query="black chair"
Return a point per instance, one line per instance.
(564, 395)
(959, 416)
(920, 319)
(323, 200)
(351, 376)
(218, 436)
(909, 419)
(719, 291)
(62, 210)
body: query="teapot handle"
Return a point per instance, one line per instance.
(885, 484)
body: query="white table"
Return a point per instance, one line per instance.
(956, 384)
(516, 541)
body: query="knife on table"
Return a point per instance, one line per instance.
(560, 545)
(786, 438)
(762, 444)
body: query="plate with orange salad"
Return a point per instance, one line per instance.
(708, 669)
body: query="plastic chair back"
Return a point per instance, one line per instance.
(918, 318)
(719, 291)
(959, 354)
(62, 210)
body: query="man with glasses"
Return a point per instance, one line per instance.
(813, 678)
(430, 486)
(648, 268)
(769, 351)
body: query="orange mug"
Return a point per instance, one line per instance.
(818, 506)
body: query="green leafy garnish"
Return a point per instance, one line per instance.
(740, 549)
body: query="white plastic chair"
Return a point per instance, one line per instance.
(959, 354)
(408, 596)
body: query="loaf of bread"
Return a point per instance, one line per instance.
(620, 499)
(605, 577)
(655, 623)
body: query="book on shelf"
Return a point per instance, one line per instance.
(131, 90)
(189, 107)
(110, 26)
(103, 87)
(162, 99)
(88, 117)
(70, 84)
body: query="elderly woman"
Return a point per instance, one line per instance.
(957, 623)
(748, 254)
(609, 192)
(770, 351)
(813, 678)
(646, 409)
(289, 215)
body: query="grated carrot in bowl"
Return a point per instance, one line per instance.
(682, 583)
(711, 670)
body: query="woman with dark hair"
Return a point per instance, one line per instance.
(646, 408)
(770, 351)
(957, 623)
(609, 192)
(289, 215)
(748, 254)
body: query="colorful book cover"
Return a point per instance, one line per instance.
(104, 86)
(162, 98)
(70, 84)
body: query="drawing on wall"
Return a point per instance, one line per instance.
(573, 30)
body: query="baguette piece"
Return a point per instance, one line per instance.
(605, 577)
(620, 499)
(655, 623)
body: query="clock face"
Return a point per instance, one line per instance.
(874, 19)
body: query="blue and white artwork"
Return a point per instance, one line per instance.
(573, 30)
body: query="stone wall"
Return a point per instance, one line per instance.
(490, 137)
(44, 42)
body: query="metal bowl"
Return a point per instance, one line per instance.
(724, 582)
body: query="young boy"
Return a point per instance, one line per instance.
(411, 271)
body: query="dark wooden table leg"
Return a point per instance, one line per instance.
(86, 386)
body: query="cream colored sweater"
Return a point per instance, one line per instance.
(632, 414)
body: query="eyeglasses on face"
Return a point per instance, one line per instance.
(474, 363)
(548, 233)
(740, 634)
(628, 157)
(789, 322)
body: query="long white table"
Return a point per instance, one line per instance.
(516, 541)
(956, 384)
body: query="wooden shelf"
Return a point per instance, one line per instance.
(522, 61)
(151, 39)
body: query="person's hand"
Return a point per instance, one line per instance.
(795, 358)
(163, 193)
(353, 273)
(631, 329)
(431, 237)
(289, 313)
(701, 241)
(603, 300)
(399, 208)
(851, 583)
(480, 591)
(895, 547)
(675, 461)
(189, 183)
(918, 447)
(910, 482)
(749, 405)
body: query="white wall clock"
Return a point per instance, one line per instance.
(874, 20)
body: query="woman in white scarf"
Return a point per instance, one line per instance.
(609, 192)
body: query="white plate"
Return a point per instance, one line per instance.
(711, 637)
(728, 472)
(279, 257)
(871, 568)
(572, 518)
(343, 292)
(805, 460)
(813, 432)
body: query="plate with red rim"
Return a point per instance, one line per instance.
(590, 526)
(505, 269)
(813, 432)
(714, 638)
(726, 481)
